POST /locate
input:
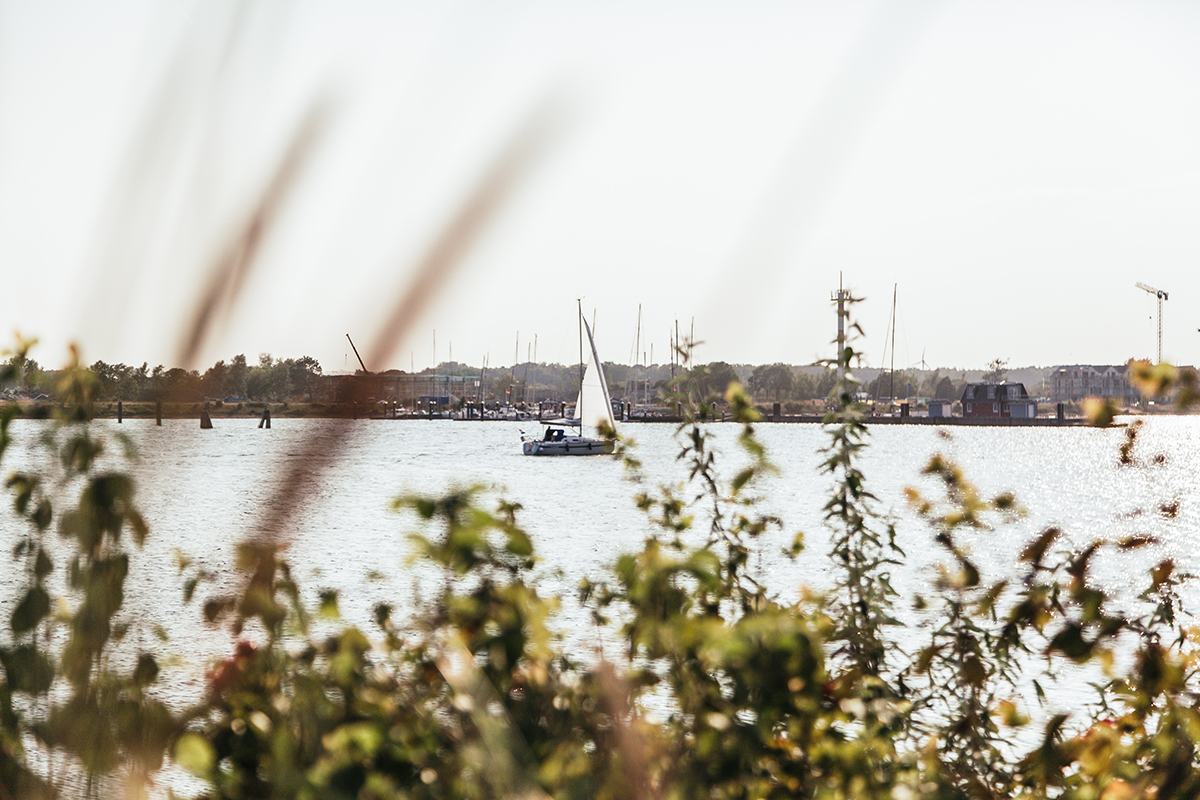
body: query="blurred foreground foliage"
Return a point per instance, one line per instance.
(709, 685)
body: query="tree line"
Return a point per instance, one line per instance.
(301, 379)
(270, 380)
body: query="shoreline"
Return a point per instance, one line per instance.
(364, 411)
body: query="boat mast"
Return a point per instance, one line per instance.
(579, 411)
(483, 383)
(512, 393)
(525, 378)
(892, 380)
(637, 354)
(649, 366)
(678, 356)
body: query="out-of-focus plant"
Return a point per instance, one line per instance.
(1165, 380)
(73, 689)
(968, 671)
(470, 698)
(1138, 739)
(863, 543)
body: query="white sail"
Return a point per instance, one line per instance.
(593, 405)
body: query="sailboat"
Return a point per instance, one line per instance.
(592, 409)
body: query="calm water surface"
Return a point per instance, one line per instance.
(203, 491)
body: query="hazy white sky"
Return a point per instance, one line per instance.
(1014, 168)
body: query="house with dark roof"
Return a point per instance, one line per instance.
(999, 400)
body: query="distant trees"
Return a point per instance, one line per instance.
(946, 390)
(271, 380)
(32, 376)
(280, 379)
(716, 377)
(123, 382)
(305, 374)
(503, 387)
(235, 378)
(215, 379)
(773, 380)
(180, 385)
(894, 385)
(997, 370)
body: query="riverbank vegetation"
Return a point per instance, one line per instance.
(721, 687)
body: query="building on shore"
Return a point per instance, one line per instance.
(998, 400)
(940, 408)
(1069, 384)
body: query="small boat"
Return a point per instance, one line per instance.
(592, 408)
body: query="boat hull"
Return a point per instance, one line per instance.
(573, 446)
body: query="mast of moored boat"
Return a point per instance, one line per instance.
(637, 355)
(892, 380)
(579, 410)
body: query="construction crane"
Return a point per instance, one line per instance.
(364, 366)
(1161, 295)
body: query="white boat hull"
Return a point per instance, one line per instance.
(571, 446)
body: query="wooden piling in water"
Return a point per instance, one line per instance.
(158, 413)
(120, 411)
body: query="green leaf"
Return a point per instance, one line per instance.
(42, 565)
(42, 515)
(1035, 551)
(28, 669)
(519, 543)
(216, 608)
(146, 671)
(75, 524)
(974, 673)
(32, 609)
(329, 604)
(1070, 642)
(195, 753)
(139, 527)
(741, 479)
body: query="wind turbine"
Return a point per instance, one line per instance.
(1161, 295)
